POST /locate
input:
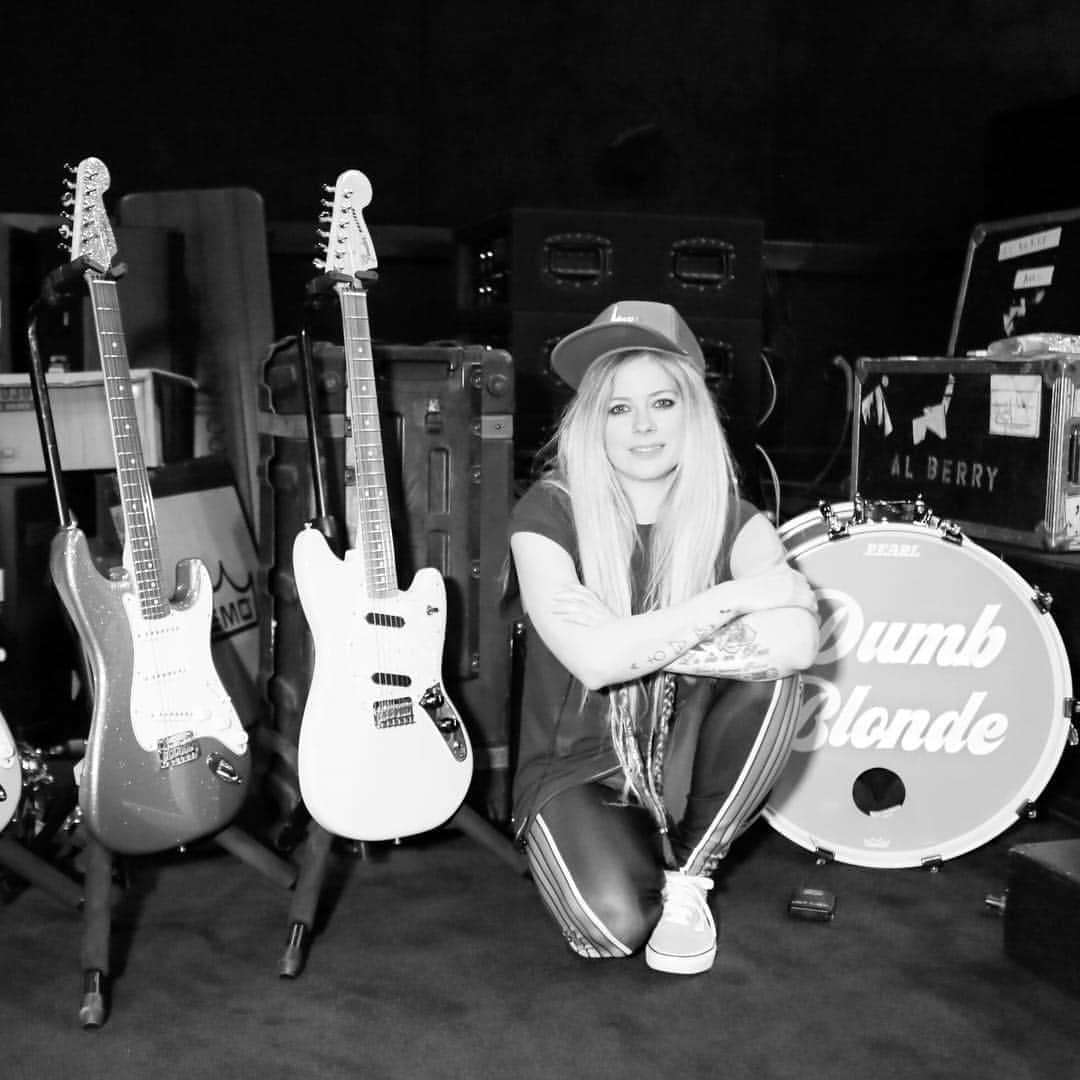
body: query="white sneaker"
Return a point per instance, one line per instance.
(683, 942)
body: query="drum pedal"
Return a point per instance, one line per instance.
(813, 905)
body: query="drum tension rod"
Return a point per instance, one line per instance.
(823, 856)
(1027, 809)
(933, 863)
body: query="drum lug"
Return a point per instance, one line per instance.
(933, 863)
(951, 532)
(836, 527)
(1043, 600)
(823, 856)
(1073, 738)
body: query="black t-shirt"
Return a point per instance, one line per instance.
(564, 737)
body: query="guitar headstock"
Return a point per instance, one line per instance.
(90, 233)
(349, 249)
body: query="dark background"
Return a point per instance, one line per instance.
(866, 121)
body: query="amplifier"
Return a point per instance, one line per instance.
(163, 413)
(991, 442)
(40, 665)
(147, 295)
(563, 260)
(1041, 928)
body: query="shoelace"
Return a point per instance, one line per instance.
(685, 898)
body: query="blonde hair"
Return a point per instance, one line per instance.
(687, 544)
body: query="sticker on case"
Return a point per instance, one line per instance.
(1033, 277)
(1026, 245)
(1015, 405)
(1072, 515)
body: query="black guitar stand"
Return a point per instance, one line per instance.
(97, 896)
(318, 843)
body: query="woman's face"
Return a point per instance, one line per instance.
(646, 422)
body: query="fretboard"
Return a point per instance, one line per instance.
(136, 501)
(366, 504)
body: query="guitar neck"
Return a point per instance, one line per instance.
(366, 501)
(141, 549)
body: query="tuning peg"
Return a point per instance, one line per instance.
(319, 264)
(323, 234)
(327, 204)
(328, 188)
(325, 217)
(67, 199)
(65, 231)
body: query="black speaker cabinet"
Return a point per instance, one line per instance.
(40, 669)
(1042, 931)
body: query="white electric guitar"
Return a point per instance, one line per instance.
(382, 750)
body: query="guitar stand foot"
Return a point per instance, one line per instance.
(295, 954)
(92, 1010)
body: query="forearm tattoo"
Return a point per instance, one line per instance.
(733, 649)
(680, 647)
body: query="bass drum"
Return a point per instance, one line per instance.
(940, 701)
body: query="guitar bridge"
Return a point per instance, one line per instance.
(177, 749)
(393, 712)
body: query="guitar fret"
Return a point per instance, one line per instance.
(365, 481)
(140, 535)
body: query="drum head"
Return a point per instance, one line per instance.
(936, 709)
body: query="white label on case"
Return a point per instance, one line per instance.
(1033, 277)
(1025, 245)
(1015, 405)
(1072, 515)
